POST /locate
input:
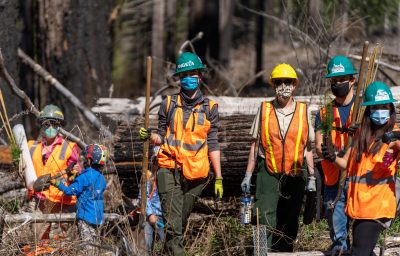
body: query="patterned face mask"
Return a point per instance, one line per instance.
(284, 91)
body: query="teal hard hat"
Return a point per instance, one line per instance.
(188, 61)
(51, 112)
(340, 66)
(377, 93)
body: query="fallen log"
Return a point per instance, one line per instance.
(44, 218)
(16, 194)
(10, 181)
(25, 218)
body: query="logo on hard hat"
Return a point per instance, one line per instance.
(186, 64)
(381, 95)
(337, 68)
(58, 113)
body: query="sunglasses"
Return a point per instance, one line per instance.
(283, 81)
(49, 123)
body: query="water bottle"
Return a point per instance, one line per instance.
(245, 209)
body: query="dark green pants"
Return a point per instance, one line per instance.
(177, 198)
(279, 199)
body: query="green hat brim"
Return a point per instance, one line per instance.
(371, 103)
(341, 74)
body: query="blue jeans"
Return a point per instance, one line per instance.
(149, 235)
(337, 219)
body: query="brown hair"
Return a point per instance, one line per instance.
(368, 133)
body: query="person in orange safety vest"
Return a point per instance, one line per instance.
(51, 154)
(282, 137)
(341, 75)
(187, 135)
(371, 165)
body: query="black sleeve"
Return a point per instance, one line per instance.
(162, 119)
(212, 136)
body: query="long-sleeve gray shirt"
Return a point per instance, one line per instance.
(212, 136)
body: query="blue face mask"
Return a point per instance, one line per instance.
(380, 116)
(190, 83)
(50, 132)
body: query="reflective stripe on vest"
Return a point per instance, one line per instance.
(331, 171)
(188, 145)
(33, 148)
(56, 162)
(369, 179)
(299, 132)
(64, 149)
(269, 144)
(371, 193)
(279, 157)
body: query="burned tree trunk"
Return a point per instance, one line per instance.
(204, 17)
(74, 45)
(9, 44)
(170, 30)
(226, 28)
(260, 41)
(157, 43)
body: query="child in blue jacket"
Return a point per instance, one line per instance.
(88, 187)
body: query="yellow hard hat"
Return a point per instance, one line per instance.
(283, 70)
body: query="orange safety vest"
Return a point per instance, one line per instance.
(186, 147)
(371, 193)
(339, 138)
(284, 153)
(56, 162)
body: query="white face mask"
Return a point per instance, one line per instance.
(380, 116)
(284, 91)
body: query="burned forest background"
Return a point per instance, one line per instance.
(98, 48)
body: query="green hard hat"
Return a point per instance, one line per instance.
(377, 93)
(340, 66)
(51, 112)
(188, 61)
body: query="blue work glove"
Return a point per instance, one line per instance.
(246, 182)
(144, 134)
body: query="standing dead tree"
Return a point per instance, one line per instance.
(28, 103)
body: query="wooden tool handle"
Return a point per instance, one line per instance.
(143, 183)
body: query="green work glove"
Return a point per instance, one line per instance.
(144, 134)
(55, 183)
(219, 189)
